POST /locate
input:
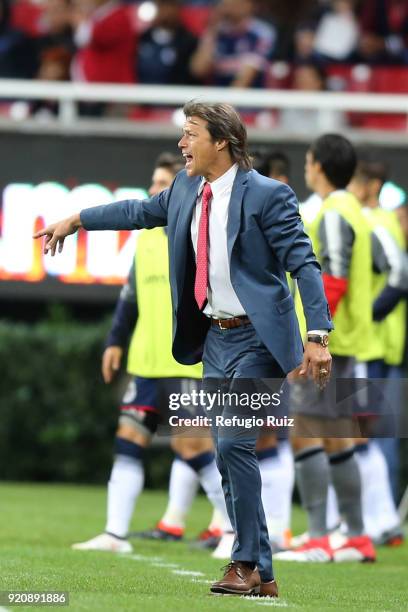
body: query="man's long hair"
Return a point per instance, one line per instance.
(223, 123)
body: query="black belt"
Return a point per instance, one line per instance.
(231, 323)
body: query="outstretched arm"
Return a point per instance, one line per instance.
(56, 233)
(125, 215)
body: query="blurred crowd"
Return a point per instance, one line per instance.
(225, 42)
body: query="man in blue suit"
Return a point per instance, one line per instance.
(232, 235)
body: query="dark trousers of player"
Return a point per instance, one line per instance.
(233, 361)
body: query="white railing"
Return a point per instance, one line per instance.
(69, 94)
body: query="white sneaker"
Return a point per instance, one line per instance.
(107, 542)
(317, 550)
(224, 548)
(336, 539)
(299, 540)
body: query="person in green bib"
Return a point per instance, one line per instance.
(322, 441)
(390, 273)
(142, 322)
(383, 353)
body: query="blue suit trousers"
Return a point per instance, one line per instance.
(234, 359)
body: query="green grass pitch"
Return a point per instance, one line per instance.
(40, 522)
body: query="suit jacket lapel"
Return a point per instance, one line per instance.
(234, 211)
(183, 228)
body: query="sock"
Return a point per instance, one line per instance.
(124, 486)
(345, 476)
(210, 480)
(312, 476)
(390, 448)
(379, 511)
(183, 488)
(278, 475)
(333, 518)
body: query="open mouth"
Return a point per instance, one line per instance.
(188, 159)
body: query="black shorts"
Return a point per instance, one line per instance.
(146, 401)
(334, 402)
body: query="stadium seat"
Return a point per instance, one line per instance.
(345, 77)
(278, 75)
(377, 121)
(390, 79)
(382, 79)
(338, 77)
(364, 79)
(361, 77)
(152, 114)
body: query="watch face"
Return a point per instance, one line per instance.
(325, 340)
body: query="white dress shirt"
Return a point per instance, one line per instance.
(223, 302)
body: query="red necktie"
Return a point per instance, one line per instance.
(201, 279)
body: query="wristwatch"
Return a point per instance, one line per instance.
(322, 339)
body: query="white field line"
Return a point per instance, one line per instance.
(183, 572)
(144, 558)
(174, 568)
(272, 601)
(196, 577)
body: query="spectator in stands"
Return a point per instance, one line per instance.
(56, 27)
(236, 47)
(54, 66)
(310, 77)
(286, 17)
(384, 26)
(330, 33)
(16, 49)
(166, 47)
(105, 41)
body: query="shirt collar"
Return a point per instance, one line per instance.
(337, 192)
(223, 182)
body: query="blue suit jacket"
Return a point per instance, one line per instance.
(265, 238)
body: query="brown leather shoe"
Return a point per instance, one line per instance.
(239, 579)
(269, 589)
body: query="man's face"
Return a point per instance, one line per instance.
(168, 15)
(56, 13)
(312, 171)
(235, 10)
(307, 78)
(161, 179)
(198, 149)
